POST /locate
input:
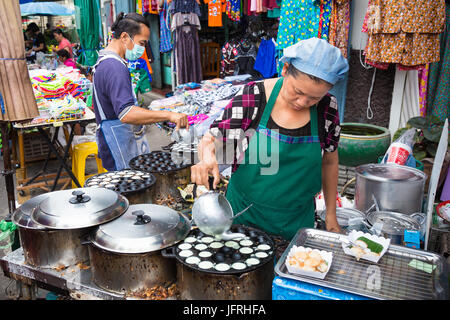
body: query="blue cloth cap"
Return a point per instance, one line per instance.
(318, 58)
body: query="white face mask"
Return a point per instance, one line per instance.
(134, 53)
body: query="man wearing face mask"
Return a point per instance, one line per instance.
(115, 104)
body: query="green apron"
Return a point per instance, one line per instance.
(282, 202)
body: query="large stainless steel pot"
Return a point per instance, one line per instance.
(50, 247)
(393, 224)
(252, 282)
(395, 188)
(125, 254)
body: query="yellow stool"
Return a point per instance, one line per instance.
(79, 155)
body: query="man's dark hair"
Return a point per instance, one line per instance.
(33, 27)
(63, 53)
(293, 71)
(129, 23)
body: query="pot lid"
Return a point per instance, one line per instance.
(343, 215)
(390, 172)
(79, 208)
(142, 228)
(22, 216)
(393, 223)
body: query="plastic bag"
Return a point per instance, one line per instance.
(400, 151)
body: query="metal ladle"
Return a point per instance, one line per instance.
(213, 215)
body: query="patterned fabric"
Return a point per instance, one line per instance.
(244, 113)
(410, 16)
(403, 32)
(340, 25)
(409, 49)
(233, 10)
(423, 81)
(299, 20)
(438, 98)
(165, 44)
(228, 62)
(325, 17)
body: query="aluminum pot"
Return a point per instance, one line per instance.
(396, 188)
(393, 224)
(46, 247)
(125, 254)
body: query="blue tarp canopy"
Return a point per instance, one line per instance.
(44, 9)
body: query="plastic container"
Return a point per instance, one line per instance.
(288, 289)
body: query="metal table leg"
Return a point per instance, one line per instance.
(66, 155)
(58, 156)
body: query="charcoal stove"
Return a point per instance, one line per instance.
(135, 185)
(213, 269)
(169, 171)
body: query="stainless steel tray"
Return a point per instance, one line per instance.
(389, 279)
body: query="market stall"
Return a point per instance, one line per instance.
(148, 232)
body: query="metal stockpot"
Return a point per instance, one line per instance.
(58, 244)
(396, 188)
(125, 254)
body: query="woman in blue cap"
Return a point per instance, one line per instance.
(283, 135)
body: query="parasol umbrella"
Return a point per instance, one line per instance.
(44, 9)
(88, 28)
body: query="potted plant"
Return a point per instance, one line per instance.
(428, 135)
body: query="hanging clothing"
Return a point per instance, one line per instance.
(228, 62)
(340, 25)
(270, 4)
(299, 20)
(234, 10)
(266, 59)
(187, 50)
(423, 82)
(215, 9)
(165, 44)
(245, 60)
(185, 6)
(404, 32)
(325, 17)
(438, 98)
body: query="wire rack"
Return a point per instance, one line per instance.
(391, 278)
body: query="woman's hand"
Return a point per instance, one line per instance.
(207, 164)
(180, 119)
(331, 223)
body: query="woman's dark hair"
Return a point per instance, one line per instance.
(33, 27)
(58, 31)
(63, 53)
(129, 23)
(293, 71)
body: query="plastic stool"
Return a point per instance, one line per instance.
(80, 153)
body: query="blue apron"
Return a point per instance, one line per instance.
(123, 142)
